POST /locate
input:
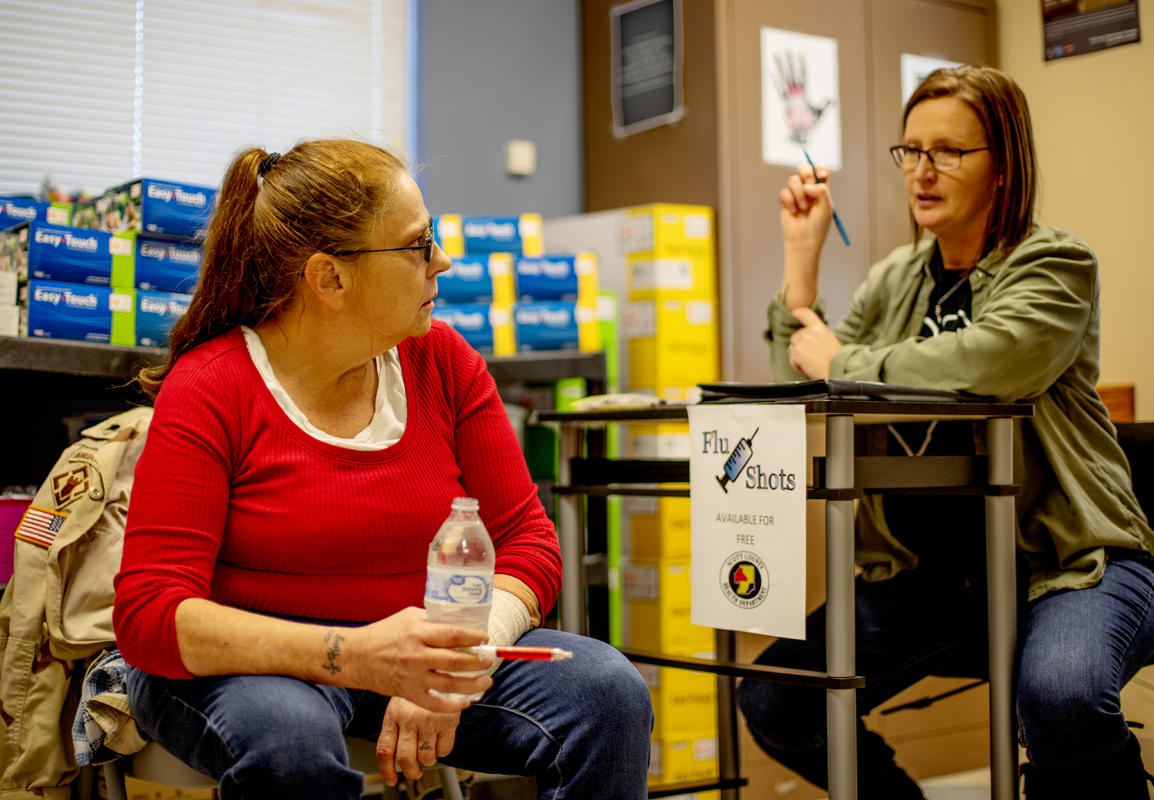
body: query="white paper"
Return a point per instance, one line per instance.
(747, 485)
(799, 99)
(916, 67)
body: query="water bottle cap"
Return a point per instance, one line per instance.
(465, 504)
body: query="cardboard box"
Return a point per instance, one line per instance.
(621, 236)
(668, 230)
(684, 701)
(155, 314)
(9, 288)
(447, 234)
(671, 342)
(662, 440)
(478, 279)
(14, 251)
(656, 608)
(123, 260)
(151, 206)
(678, 760)
(85, 313)
(656, 527)
(80, 255)
(672, 278)
(520, 235)
(17, 210)
(570, 277)
(487, 328)
(163, 265)
(556, 325)
(13, 319)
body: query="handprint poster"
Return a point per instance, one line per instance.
(799, 99)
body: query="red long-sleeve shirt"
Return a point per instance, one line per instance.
(234, 502)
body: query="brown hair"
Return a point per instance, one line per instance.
(272, 213)
(1001, 107)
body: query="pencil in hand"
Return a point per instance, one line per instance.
(836, 218)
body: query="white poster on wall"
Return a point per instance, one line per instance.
(916, 67)
(747, 494)
(799, 99)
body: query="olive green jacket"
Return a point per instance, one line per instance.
(1034, 337)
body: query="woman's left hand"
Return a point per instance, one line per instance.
(812, 348)
(413, 737)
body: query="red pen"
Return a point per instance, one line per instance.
(521, 653)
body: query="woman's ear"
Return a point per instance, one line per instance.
(327, 279)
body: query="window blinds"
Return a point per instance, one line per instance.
(97, 92)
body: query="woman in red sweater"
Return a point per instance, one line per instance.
(312, 426)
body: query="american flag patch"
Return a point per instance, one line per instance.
(39, 526)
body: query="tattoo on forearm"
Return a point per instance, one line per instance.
(334, 640)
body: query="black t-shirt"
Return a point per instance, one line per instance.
(936, 527)
(950, 301)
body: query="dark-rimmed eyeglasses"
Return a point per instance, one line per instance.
(426, 248)
(944, 159)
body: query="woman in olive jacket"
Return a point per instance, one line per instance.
(995, 305)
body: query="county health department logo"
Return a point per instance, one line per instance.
(744, 580)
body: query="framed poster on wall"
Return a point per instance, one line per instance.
(646, 47)
(1073, 27)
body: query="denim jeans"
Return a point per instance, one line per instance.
(580, 726)
(1077, 649)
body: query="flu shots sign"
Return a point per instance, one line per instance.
(747, 505)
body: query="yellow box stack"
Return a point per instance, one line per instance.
(669, 324)
(669, 321)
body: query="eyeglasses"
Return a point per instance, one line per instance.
(426, 248)
(943, 159)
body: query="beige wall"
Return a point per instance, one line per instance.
(1094, 122)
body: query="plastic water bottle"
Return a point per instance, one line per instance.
(459, 579)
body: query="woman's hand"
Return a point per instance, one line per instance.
(805, 212)
(405, 656)
(812, 348)
(806, 208)
(412, 738)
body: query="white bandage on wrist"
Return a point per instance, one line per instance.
(509, 620)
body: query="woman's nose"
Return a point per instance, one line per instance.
(440, 262)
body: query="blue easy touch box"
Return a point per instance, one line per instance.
(78, 255)
(520, 234)
(556, 325)
(155, 313)
(478, 279)
(151, 206)
(166, 266)
(488, 329)
(558, 277)
(86, 313)
(121, 260)
(14, 210)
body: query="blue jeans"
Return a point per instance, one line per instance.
(1077, 649)
(580, 726)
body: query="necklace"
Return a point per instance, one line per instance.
(938, 306)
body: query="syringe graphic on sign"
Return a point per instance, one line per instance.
(737, 460)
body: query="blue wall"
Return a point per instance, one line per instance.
(489, 71)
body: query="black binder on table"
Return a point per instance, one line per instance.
(736, 391)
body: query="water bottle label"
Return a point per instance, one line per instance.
(464, 587)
